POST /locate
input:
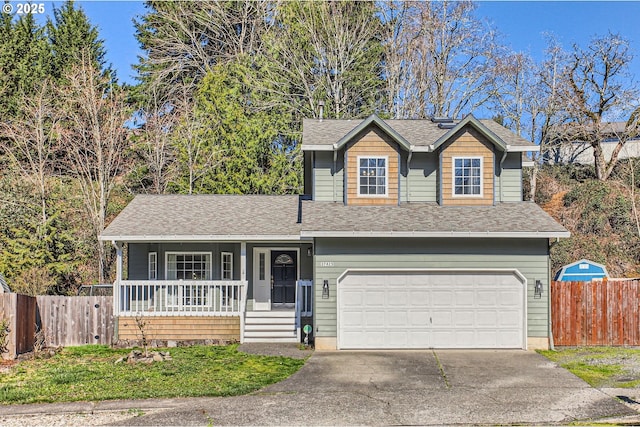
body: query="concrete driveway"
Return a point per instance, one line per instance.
(408, 387)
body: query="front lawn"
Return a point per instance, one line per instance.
(600, 366)
(91, 373)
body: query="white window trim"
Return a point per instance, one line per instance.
(222, 255)
(166, 261)
(386, 176)
(453, 178)
(152, 272)
(180, 294)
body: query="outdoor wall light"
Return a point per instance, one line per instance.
(537, 289)
(309, 251)
(325, 289)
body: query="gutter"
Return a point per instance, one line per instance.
(443, 234)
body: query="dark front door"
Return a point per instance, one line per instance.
(284, 272)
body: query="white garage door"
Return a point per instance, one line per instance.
(435, 309)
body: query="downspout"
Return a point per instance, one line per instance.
(504, 157)
(333, 174)
(408, 170)
(550, 332)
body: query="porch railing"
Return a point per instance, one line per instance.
(180, 297)
(304, 300)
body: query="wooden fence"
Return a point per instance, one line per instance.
(69, 321)
(596, 313)
(20, 312)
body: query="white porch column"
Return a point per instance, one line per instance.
(116, 285)
(245, 290)
(243, 261)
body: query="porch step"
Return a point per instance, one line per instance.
(270, 326)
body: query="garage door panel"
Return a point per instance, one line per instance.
(374, 319)
(374, 299)
(396, 318)
(442, 298)
(418, 319)
(465, 298)
(463, 318)
(424, 310)
(398, 298)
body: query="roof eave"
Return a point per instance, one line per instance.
(133, 238)
(440, 234)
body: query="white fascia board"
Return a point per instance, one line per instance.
(421, 149)
(454, 234)
(522, 148)
(201, 238)
(317, 147)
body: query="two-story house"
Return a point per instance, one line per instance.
(412, 234)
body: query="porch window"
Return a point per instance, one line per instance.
(467, 176)
(188, 266)
(226, 266)
(372, 176)
(153, 265)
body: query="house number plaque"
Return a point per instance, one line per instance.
(326, 263)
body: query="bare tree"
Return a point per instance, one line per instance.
(326, 51)
(185, 39)
(29, 141)
(94, 138)
(448, 58)
(598, 91)
(159, 118)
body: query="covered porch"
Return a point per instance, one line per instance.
(264, 292)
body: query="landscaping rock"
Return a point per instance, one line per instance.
(138, 356)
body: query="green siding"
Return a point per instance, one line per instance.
(511, 178)
(334, 256)
(323, 177)
(421, 180)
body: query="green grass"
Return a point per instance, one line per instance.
(90, 373)
(600, 366)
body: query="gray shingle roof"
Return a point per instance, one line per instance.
(416, 132)
(184, 217)
(235, 217)
(429, 219)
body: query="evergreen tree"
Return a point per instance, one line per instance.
(71, 36)
(245, 147)
(24, 60)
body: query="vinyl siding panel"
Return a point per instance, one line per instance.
(512, 178)
(334, 256)
(421, 179)
(325, 188)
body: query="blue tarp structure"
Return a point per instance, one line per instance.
(583, 271)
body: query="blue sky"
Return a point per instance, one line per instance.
(522, 25)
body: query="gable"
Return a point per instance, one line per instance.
(371, 143)
(468, 143)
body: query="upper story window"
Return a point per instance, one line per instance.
(188, 266)
(372, 176)
(467, 176)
